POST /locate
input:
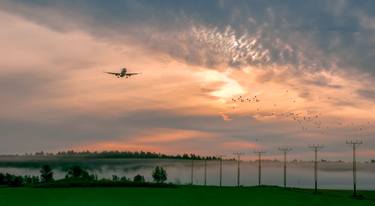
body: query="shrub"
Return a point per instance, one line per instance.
(159, 174)
(139, 179)
(115, 178)
(76, 172)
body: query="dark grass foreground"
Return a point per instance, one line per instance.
(72, 183)
(178, 196)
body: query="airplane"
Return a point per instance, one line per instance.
(123, 73)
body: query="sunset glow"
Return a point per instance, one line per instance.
(211, 83)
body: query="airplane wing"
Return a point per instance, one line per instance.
(113, 73)
(131, 74)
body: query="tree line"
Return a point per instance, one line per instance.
(77, 176)
(120, 154)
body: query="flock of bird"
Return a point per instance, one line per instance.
(305, 120)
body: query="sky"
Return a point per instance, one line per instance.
(217, 76)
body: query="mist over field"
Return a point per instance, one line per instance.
(300, 174)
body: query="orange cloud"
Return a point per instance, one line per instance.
(226, 117)
(366, 153)
(117, 146)
(171, 135)
(239, 145)
(158, 140)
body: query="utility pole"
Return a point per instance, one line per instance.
(192, 172)
(285, 150)
(316, 148)
(221, 170)
(259, 166)
(238, 166)
(354, 145)
(205, 171)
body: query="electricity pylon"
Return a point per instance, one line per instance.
(259, 166)
(316, 148)
(354, 145)
(221, 170)
(205, 171)
(238, 166)
(192, 172)
(285, 150)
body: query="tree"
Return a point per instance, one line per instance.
(159, 174)
(139, 179)
(31, 179)
(16, 181)
(124, 179)
(78, 173)
(13, 180)
(2, 179)
(46, 174)
(115, 178)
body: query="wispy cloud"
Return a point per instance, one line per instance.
(194, 58)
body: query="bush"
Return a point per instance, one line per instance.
(159, 174)
(31, 179)
(115, 178)
(124, 179)
(139, 179)
(2, 179)
(16, 181)
(76, 172)
(11, 180)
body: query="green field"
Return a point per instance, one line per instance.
(178, 196)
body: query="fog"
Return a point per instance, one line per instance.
(332, 175)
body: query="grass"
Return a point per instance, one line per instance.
(180, 196)
(74, 182)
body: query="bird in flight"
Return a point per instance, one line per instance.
(123, 73)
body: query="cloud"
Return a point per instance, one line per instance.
(155, 140)
(367, 93)
(226, 117)
(250, 33)
(194, 58)
(242, 145)
(171, 135)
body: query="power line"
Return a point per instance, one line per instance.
(285, 150)
(316, 148)
(259, 166)
(238, 166)
(354, 145)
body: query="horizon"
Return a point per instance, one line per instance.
(216, 77)
(246, 157)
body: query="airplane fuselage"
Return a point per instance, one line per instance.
(123, 73)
